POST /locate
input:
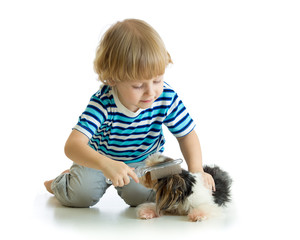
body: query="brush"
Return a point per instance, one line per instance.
(158, 171)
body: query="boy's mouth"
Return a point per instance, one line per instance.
(147, 101)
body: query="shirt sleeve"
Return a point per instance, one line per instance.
(178, 120)
(93, 116)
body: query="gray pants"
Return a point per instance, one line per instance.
(83, 187)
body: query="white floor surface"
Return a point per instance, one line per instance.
(40, 216)
(112, 218)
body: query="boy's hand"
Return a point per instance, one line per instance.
(119, 173)
(209, 181)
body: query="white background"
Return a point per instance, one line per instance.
(236, 67)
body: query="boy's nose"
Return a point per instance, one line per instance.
(149, 90)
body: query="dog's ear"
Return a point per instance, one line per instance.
(169, 193)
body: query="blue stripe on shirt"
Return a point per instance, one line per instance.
(131, 139)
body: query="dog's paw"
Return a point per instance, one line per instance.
(147, 214)
(147, 211)
(197, 215)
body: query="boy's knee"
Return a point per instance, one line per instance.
(132, 201)
(77, 193)
(80, 198)
(135, 194)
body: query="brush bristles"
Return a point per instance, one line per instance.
(165, 171)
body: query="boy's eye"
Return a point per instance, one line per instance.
(137, 86)
(158, 80)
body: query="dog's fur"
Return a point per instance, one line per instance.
(185, 193)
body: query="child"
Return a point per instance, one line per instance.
(122, 124)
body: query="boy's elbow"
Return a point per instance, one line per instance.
(70, 146)
(67, 149)
(75, 141)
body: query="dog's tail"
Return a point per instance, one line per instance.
(223, 184)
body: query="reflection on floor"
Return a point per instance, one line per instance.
(112, 218)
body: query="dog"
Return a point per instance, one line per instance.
(185, 193)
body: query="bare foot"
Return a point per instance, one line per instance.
(48, 183)
(48, 186)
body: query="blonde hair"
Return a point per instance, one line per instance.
(130, 50)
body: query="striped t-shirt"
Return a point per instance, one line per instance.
(127, 136)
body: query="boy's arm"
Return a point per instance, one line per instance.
(78, 151)
(191, 151)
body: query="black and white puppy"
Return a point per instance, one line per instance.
(185, 193)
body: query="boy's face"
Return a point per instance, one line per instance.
(139, 94)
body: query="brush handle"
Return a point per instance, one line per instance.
(108, 181)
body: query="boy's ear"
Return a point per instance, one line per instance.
(110, 82)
